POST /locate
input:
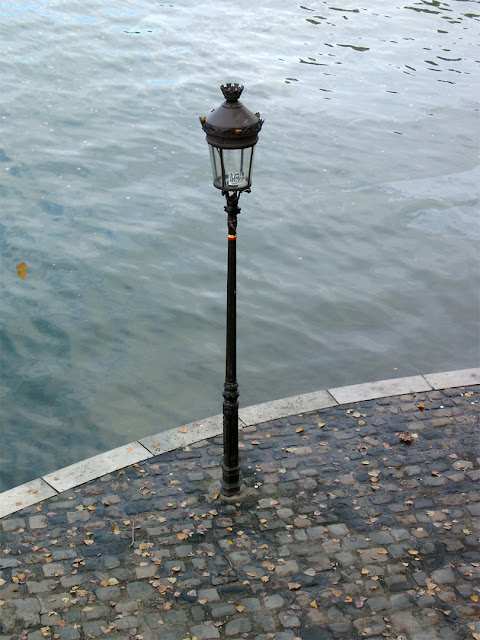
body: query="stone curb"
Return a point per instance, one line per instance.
(79, 473)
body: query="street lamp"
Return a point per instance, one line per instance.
(232, 133)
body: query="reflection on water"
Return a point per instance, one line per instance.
(364, 202)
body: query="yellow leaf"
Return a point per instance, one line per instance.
(365, 572)
(2, 582)
(240, 608)
(321, 424)
(264, 578)
(412, 552)
(172, 580)
(383, 551)
(474, 598)
(22, 270)
(300, 429)
(337, 593)
(348, 599)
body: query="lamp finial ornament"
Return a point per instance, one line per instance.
(231, 92)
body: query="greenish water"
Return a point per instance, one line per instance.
(358, 246)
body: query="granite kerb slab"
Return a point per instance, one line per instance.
(74, 475)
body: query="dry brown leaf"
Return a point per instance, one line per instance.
(293, 586)
(408, 437)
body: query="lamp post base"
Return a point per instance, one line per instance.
(230, 480)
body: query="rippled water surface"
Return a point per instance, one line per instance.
(357, 249)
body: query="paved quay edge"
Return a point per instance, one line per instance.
(79, 473)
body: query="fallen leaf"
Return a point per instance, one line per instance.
(240, 608)
(22, 270)
(182, 430)
(337, 593)
(293, 586)
(300, 429)
(474, 598)
(321, 424)
(314, 604)
(408, 437)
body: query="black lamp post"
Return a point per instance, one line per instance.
(232, 133)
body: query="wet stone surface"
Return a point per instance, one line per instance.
(344, 530)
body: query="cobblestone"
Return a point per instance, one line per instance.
(342, 532)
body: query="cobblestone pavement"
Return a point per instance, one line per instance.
(359, 521)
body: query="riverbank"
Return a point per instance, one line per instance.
(358, 518)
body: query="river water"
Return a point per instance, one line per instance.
(357, 249)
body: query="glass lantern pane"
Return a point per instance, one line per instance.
(231, 168)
